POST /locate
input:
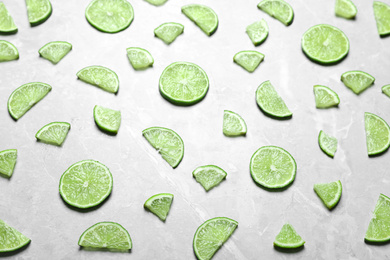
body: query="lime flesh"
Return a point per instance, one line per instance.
(329, 193)
(156, 2)
(55, 51)
(270, 102)
(7, 24)
(10, 238)
(378, 230)
(357, 81)
(7, 162)
(328, 144)
(345, 9)
(278, 9)
(53, 133)
(249, 60)
(101, 77)
(377, 134)
(209, 176)
(386, 90)
(168, 32)
(382, 17)
(325, 97)
(203, 16)
(8, 51)
(257, 32)
(288, 238)
(159, 205)
(38, 11)
(139, 58)
(107, 119)
(233, 124)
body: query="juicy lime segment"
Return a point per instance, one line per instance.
(7, 24)
(107, 119)
(10, 238)
(249, 60)
(38, 11)
(7, 162)
(156, 2)
(159, 205)
(101, 77)
(345, 9)
(329, 193)
(8, 51)
(209, 176)
(377, 134)
(278, 9)
(378, 230)
(382, 17)
(53, 133)
(357, 81)
(325, 97)
(55, 51)
(257, 32)
(328, 144)
(386, 90)
(270, 102)
(203, 16)
(233, 124)
(168, 32)
(288, 238)
(139, 58)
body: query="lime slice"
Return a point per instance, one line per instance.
(101, 77)
(183, 83)
(233, 124)
(7, 24)
(38, 11)
(106, 235)
(211, 235)
(357, 81)
(378, 230)
(377, 134)
(209, 176)
(325, 44)
(168, 32)
(270, 102)
(86, 184)
(156, 2)
(10, 238)
(55, 51)
(328, 144)
(203, 16)
(159, 205)
(8, 51)
(386, 90)
(257, 32)
(110, 16)
(273, 167)
(7, 162)
(167, 142)
(139, 58)
(25, 97)
(288, 238)
(249, 60)
(329, 193)
(53, 133)
(345, 9)
(382, 17)
(278, 9)
(107, 119)
(325, 97)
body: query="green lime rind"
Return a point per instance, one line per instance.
(109, 236)
(377, 134)
(168, 32)
(167, 142)
(8, 51)
(270, 102)
(345, 9)
(203, 16)
(278, 9)
(382, 17)
(55, 51)
(25, 97)
(53, 133)
(101, 77)
(357, 80)
(386, 90)
(7, 163)
(233, 124)
(7, 24)
(86, 184)
(108, 120)
(329, 193)
(328, 144)
(159, 205)
(110, 16)
(249, 60)
(209, 176)
(258, 32)
(11, 239)
(378, 230)
(156, 2)
(288, 238)
(38, 11)
(211, 235)
(139, 58)
(325, 97)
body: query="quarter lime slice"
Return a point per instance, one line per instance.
(7, 162)
(159, 205)
(325, 44)
(167, 142)
(183, 83)
(53, 133)
(168, 32)
(86, 184)
(233, 124)
(101, 77)
(10, 238)
(203, 16)
(329, 193)
(345, 9)
(386, 90)
(382, 17)
(270, 102)
(328, 144)
(7, 24)
(378, 230)
(357, 81)
(107, 119)
(139, 58)
(377, 134)
(209, 176)
(249, 60)
(325, 97)
(38, 11)
(55, 51)
(257, 32)
(106, 235)
(156, 2)
(211, 235)
(288, 238)
(110, 16)
(278, 9)
(8, 51)
(25, 97)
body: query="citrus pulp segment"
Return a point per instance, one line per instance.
(329, 193)
(357, 80)
(249, 60)
(325, 97)
(53, 133)
(278, 9)
(328, 144)
(233, 124)
(288, 238)
(38, 11)
(139, 58)
(8, 161)
(107, 119)
(209, 176)
(377, 134)
(382, 17)
(8, 51)
(55, 51)
(386, 90)
(159, 205)
(378, 230)
(270, 102)
(7, 24)
(156, 2)
(10, 238)
(101, 77)
(345, 9)
(168, 32)
(203, 16)
(257, 32)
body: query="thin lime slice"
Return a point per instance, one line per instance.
(53, 133)
(345, 9)
(107, 119)
(382, 17)
(378, 230)
(106, 235)
(249, 60)
(25, 97)
(139, 58)
(257, 32)
(273, 167)
(8, 51)
(211, 235)
(288, 238)
(325, 44)
(38, 11)
(55, 51)
(278, 9)
(328, 144)
(377, 134)
(101, 77)
(203, 16)
(167, 142)
(325, 97)
(159, 205)
(270, 102)
(86, 184)
(233, 124)
(110, 16)
(7, 24)
(183, 83)
(156, 2)
(329, 193)
(386, 90)
(168, 32)
(11, 239)
(7, 162)
(357, 81)
(209, 176)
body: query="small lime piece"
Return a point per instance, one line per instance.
(345, 9)
(203, 16)
(159, 205)
(55, 51)
(209, 176)
(139, 58)
(378, 230)
(101, 77)
(53, 133)
(377, 134)
(382, 17)
(233, 124)
(107, 119)
(38, 11)
(270, 102)
(156, 2)
(7, 163)
(288, 238)
(328, 144)
(357, 81)
(168, 32)
(386, 90)
(7, 24)
(8, 51)
(325, 97)
(257, 32)
(278, 9)
(10, 238)
(329, 193)
(249, 60)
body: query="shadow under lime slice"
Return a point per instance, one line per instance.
(257, 32)
(278, 9)
(345, 9)
(203, 16)
(55, 51)
(386, 90)
(156, 2)
(288, 238)
(7, 162)
(8, 51)
(329, 193)
(249, 60)
(168, 32)
(270, 102)
(11, 239)
(357, 81)
(139, 58)
(377, 134)
(7, 24)
(378, 230)
(233, 124)
(159, 205)
(328, 144)
(38, 11)
(107, 119)
(325, 97)
(209, 176)
(101, 77)
(53, 133)
(382, 17)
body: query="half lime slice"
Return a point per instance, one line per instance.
(7, 162)
(328, 144)
(249, 60)
(107, 119)
(159, 205)
(101, 77)
(382, 17)
(209, 176)
(357, 80)
(325, 97)
(288, 238)
(270, 102)
(203, 16)
(38, 11)
(257, 32)
(378, 230)
(139, 58)
(55, 51)
(7, 25)
(278, 9)
(233, 124)
(386, 90)
(53, 133)
(11, 239)
(345, 9)
(8, 51)
(377, 134)
(168, 32)
(329, 193)
(156, 2)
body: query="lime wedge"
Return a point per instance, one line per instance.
(382, 17)
(7, 162)
(209, 176)
(211, 235)
(55, 51)
(10, 238)
(159, 205)
(167, 142)
(53, 133)
(101, 77)
(386, 90)
(203, 16)
(325, 97)
(8, 51)
(233, 124)
(168, 32)
(38, 11)
(257, 32)
(86, 184)
(357, 81)
(110, 16)
(378, 230)
(325, 44)
(345, 9)
(249, 60)
(329, 193)
(183, 83)
(25, 97)
(288, 238)
(328, 144)
(107, 119)
(270, 102)
(139, 58)
(278, 9)
(7, 24)
(377, 134)
(106, 235)
(156, 2)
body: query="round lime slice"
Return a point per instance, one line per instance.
(233, 124)
(107, 119)
(270, 102)
(7, 25)
(38, 11)
(209, 176)
(55, 51)
(203, 16)
(8, 51)
(329, 193)
(278, 9)
(345, 9)
(328, 144)
(11, 238)
(53, 133)
(249, 60)
(168, 32)
(325, 97)
(7, 162)
(288, 238)
(386, 90)
(377, 134)
(257, 32)
(101, 77)
(357, 80)
(378, 230)
(382, 17)
(139, 58)
(159, 205)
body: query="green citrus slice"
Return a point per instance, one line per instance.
(357, 81)
(7, 24)
(106, 235)
(382, 17)
(328, 144)
(86, 184)
(101, 77)
(107, 119)
(325, 97)
(11, 239)
(386, 90)
(270, 102)
(8, 51)
(110, 16)
(7, 162)
(55, 51)
(329, 193)
(38, 11)
(159, 205)
(211, 235)
(25, 97)
(377, 134)
(233, 124)
(183, 83)
(168, 32)
(167, 142)
(378, 230)
(278, 9)
(345, 9)
(203, 16)
(139, 58)
(209, 176)
(53, 133)
(288, 238)
(156, 2)
(249, 60)
(325, 44)
(257, 32)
